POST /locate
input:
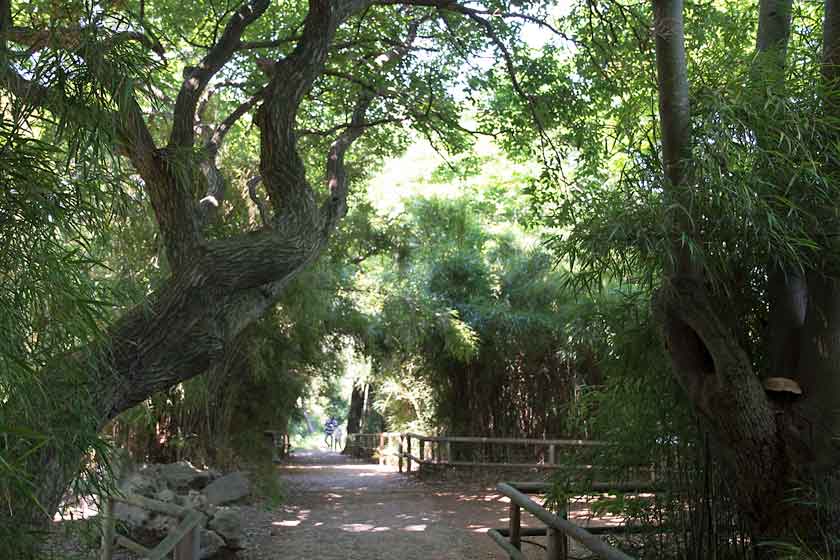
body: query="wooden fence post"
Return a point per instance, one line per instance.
(552, 455)
(515, 526)
(448, 451)
(422, 444)
(557, 545)
(190, 546)
(400, 453)
(108, 528)
(408, 456)
(381, 450)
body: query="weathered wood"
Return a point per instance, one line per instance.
(627, 487)
(190, 546)
(513, 553)
(408, 452)
(152, 505)
(448, 452)
(134, 547)
(400, 453)
(525, 465)
(108, 521)
(588, 540)
(182, 532)
(515, 521)
(524, 531)
(517, 441)
(422, 452)
(552, 455)
(381, 450)
(555, 545)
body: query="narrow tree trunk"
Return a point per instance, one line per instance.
(356, 411)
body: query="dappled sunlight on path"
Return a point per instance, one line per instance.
(340, 508)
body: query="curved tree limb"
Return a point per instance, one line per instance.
(196, 78)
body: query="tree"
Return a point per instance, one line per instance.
(319, 83)
(722, 202)
(769, 436)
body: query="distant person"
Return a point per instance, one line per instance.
(329, 428)
(338, 433)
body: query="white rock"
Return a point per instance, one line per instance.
(227, 489)
(228, 524)
(183, 476)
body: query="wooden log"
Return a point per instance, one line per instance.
(167, 545)
(525, 465)
(556, 546)
(502, 541)
(108, 528)
(515, 520)
(626, 487)
(190, 546)
(515, 441)
(134, 547)
(152, 505)
(381, 449)
(524, 531)
(588, 540)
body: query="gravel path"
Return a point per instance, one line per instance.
(340, 508)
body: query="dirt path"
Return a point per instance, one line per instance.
(340, 508)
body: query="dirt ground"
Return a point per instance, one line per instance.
(339, 508)
(342, 508)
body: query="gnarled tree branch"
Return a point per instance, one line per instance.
(196, 78)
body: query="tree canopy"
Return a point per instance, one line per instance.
(192, 215)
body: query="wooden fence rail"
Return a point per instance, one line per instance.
(183, 541)
(410, 448)
(558, 529)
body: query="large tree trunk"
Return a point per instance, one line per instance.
(774, 443)
(217, 287)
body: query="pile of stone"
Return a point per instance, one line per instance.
(182, 484)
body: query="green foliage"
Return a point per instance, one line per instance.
(53, 210)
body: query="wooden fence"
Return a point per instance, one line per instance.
(183, 542)
(409, 449)
(557, 528)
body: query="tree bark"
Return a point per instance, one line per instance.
(354, 415)
(217, 287)
(754, 433)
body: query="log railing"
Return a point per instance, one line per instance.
(183, 541)
(557, 528)
(411, 449)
